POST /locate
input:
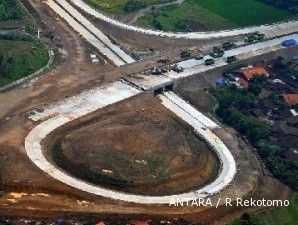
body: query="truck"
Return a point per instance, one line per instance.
(256, 37)
(209, 62)
(289, 42)
(217, 52)
(228, 45)
(231, 59)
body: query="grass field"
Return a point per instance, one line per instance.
(279, 216)
(12, 15)
(213, 15)
(20, 58)
(282, 216)
(11, 10)
(117, 6)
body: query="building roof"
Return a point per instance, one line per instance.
(243, 83)
(138, 222)
(291, 99)
(254, 72)
(101, 223)
(220, 81)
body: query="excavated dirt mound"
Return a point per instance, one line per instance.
(137, 146)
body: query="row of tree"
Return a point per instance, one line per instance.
(11, 10)
(233, 108)
(287, 4)
(5, 62)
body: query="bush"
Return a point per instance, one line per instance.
(286, 4)
(134, 5)
(11, 10)
(16, 37)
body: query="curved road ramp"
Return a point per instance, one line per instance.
(92, 100)
(269, 30)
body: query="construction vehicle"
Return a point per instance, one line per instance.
(231, 59)
(228, 45)
(209, 62)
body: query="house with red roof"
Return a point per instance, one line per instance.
(291, 99)
(255, 71)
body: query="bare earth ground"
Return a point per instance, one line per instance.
(30, 193)
(141, 145)
(35, 194)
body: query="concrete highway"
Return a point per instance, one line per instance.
(90, 33)
(193, 66)
(89, 101)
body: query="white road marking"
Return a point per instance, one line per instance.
(100, 35)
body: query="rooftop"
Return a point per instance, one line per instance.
(291, 99)
(255, 71)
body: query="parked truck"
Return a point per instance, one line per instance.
(289, 42)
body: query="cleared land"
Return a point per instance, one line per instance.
(127, 148)
(212, 15)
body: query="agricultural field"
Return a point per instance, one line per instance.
(19, 58)
(196, 15)
(120, 6)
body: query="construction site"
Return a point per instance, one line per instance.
(121, 122)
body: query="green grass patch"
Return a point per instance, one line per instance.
(244, 13)
(279, 216)
(213, 15)
(282, 216)
(19, 58)
(11, 10)
(118, 6)
(172, 18)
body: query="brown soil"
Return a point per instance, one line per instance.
(141, 146)
(38, 195)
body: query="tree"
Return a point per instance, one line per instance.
(134, 5)
(256, 84)
(4, 65)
